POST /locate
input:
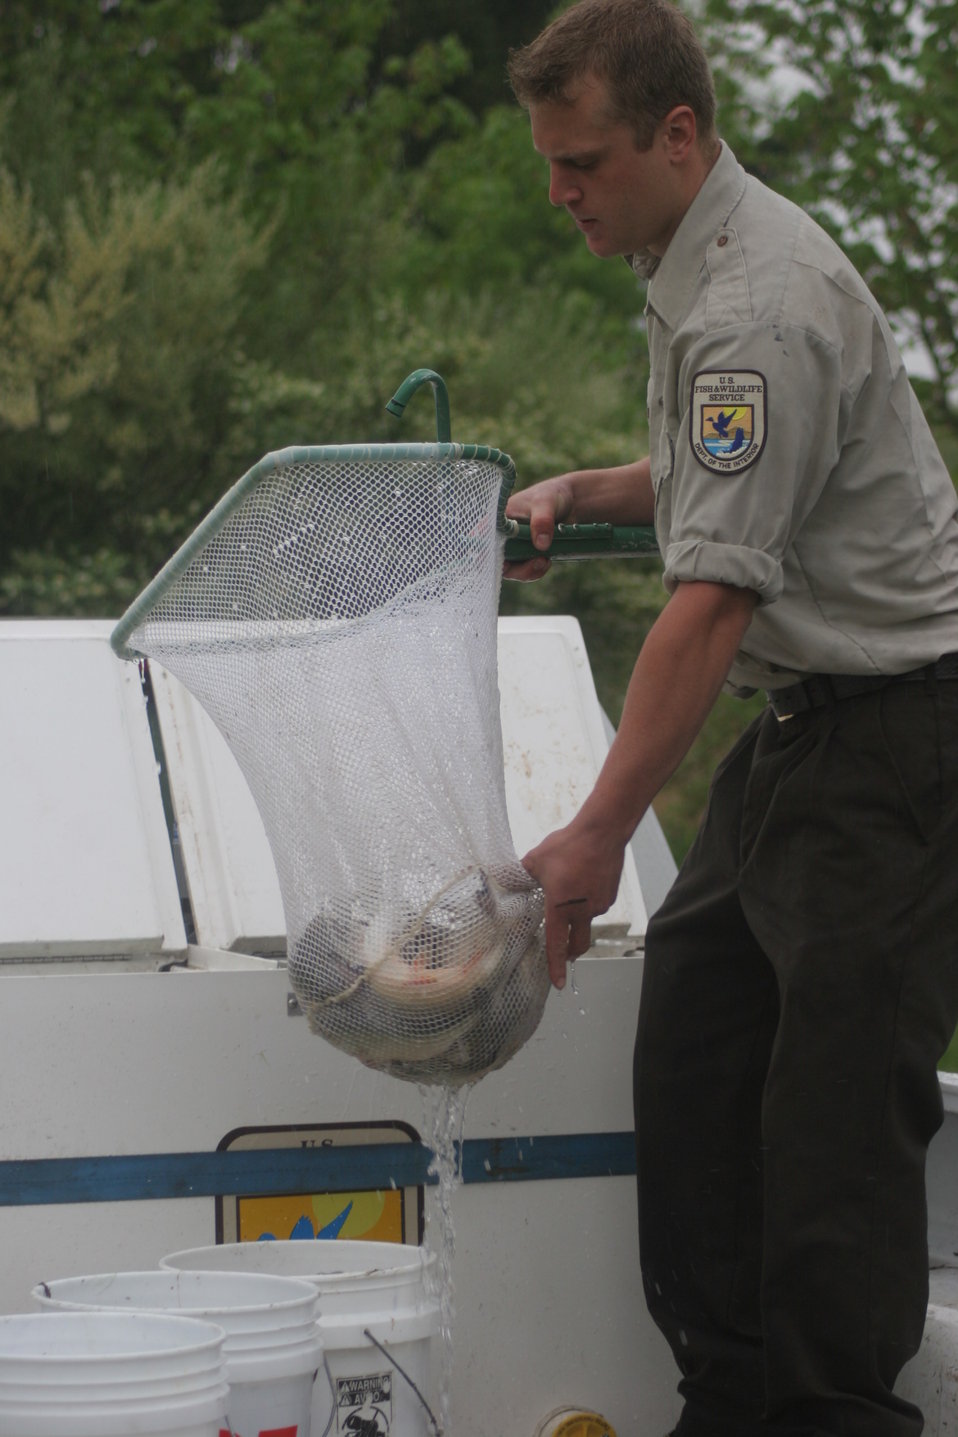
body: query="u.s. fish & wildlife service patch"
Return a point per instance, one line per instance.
(727, 418)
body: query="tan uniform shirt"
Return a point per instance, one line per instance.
(789, 454)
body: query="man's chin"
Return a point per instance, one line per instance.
(601, 249)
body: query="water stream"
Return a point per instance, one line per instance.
(444, 1116)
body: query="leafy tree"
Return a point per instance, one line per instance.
(308, 125)
(120, 339)
(846, 106)
(477, 214)
(486, 32)
(102, 88)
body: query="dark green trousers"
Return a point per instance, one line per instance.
(800, 985)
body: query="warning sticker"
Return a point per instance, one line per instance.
(364, 1405)
(727, 418)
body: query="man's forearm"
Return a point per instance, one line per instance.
(621, 495)
(677, 677)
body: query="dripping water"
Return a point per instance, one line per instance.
(444, 1116)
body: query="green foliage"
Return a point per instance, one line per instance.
(120, 332)
(486, 32)
(846, 106)
(478, 214)
(64, 579)
(949, 1062)
(101, 88)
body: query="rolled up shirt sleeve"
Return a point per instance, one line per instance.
(700, 561)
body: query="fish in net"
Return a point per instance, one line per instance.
(336, 616)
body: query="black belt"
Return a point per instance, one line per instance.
(819, 690)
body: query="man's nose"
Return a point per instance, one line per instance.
(563, 189)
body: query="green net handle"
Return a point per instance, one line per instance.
(582, 541)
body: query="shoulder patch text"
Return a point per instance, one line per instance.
(727, 418)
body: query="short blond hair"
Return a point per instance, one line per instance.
(645, 51)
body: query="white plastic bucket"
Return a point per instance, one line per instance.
(273, 1346)
(100, 1374)
(369, 1293)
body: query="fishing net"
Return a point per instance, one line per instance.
(336, 616)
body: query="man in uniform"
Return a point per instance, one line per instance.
(800, 979)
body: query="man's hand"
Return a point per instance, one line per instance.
(543, 506)
(620, 495)
(579, 871)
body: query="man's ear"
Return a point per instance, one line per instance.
(679, 132)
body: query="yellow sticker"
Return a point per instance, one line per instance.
(372, 1217)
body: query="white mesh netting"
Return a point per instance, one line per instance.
(339, 626)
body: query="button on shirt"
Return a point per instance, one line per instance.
(789, 453)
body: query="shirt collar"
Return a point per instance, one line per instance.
(672, 277)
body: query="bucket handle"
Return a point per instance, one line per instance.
(332, 1393)
(436, 1429)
